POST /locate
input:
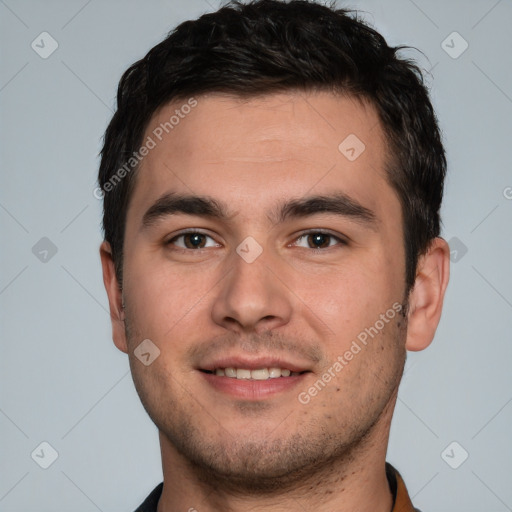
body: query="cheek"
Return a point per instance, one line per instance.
(366, 364)
(153, 383)
(348, 297)
(154, 301)
(349, 301)
(165, 298)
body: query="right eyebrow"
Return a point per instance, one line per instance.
(173, 203)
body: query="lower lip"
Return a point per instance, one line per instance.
(252, 389)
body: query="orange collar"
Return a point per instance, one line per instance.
(402, 502)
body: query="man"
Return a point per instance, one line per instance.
(272, 182)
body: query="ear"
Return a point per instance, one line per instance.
(115, 299)
(427, 295)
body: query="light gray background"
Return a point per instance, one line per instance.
(63, 381)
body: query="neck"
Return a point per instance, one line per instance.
(355, 482)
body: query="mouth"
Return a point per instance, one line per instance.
(256, 374)
(252, 379)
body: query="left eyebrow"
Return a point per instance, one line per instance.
(338, 203)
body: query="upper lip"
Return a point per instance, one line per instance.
(252, 363)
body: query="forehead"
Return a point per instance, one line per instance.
(284, 125)
(265, 147)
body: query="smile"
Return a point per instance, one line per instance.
(255, 374)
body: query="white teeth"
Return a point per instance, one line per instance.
(258, 374)
(243, 374)
(230, 372)
(274, 373)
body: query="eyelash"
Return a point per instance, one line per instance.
(340, 240)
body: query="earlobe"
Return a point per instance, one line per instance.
(115, 299)
(426, 297)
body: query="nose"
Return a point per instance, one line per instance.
(251, 297)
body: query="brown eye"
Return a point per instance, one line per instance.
(319, 240)
(192, 240)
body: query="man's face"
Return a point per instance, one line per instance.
(268, 277)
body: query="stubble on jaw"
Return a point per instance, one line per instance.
(306, 459)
